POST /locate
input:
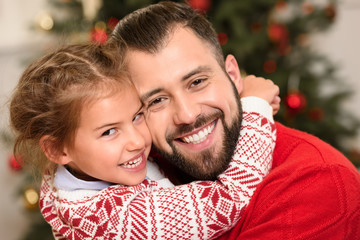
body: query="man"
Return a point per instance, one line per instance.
(191, 96)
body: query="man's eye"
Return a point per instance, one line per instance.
(197, 82)
(155, 101)
(108, 132)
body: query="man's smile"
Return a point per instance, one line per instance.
(199, 135)
(197, 140)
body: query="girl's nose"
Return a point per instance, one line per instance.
(135, 140)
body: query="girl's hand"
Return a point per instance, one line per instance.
(262, 88)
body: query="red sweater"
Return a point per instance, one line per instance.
(312, 192)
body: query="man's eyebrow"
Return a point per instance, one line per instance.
(196, 71)
(147, 95)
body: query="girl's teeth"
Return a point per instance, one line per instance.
(132, 164)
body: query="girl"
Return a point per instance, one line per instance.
(78, 111)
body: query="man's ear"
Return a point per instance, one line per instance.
(50, 147)
(233, 72)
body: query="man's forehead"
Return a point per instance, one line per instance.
(174, 63)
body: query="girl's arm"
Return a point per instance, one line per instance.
(199, 210)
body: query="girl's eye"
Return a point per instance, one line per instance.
(138, 116)
(109, 132)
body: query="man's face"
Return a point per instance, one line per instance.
(193, 110)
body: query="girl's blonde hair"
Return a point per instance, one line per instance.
(51, 93)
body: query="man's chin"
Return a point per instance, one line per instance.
(203, 165)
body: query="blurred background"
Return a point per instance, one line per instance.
(310, 48)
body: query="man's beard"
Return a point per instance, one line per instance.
(208, 164)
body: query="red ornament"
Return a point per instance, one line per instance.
(223, 38)
(98, 35)
(330, 12)
(15, 163)
(316, 114)
(295, 101)
(283, 47)
(112, 22)
(269, 66)
(201, 5)
(281, 5)
(277, 32)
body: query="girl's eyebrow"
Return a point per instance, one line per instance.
(106, 125)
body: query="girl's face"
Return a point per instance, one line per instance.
(112, 141)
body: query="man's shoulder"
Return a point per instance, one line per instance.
(308, 170)
(299, 156)
(290, 138)
(298, 147)
(310, 165)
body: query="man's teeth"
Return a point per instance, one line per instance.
(133, 163)
(200, 136)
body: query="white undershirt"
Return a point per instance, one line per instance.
(64, 180)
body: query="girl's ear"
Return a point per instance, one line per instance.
(233, 72)
(49, 146)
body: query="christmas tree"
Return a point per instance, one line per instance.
(269, 38)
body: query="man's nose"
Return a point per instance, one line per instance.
(186, 111)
